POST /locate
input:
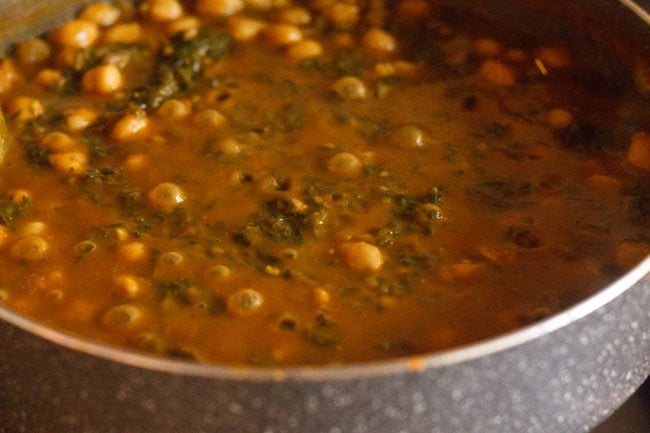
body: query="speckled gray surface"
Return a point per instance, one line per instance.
(566, 381)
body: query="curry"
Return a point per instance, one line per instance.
(270, 183)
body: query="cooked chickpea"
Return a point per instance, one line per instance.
(638, 154)
(78, 33)
(560, 118)
(174, 109)
(167, 196)
(8, 75)
(130, 127)
(408, 137)
(127, 285)
(229, 146)
(31, 228)
(321, 296)
(84, 247)
(58, 141)
(210, 117)
(25, 108)
(20, 196)
(123, 33)
(379, 41)
(516, 55)
(4, 235)
(244, 28)
(282, 34)
(121, 316)
(343, 14)
(50, 79)
(32, 51)
(554, 57)
(486, 47)
(304, 49)
(78, 119)
(361, 256)
(136, 163)
(162, 10)
(344, 164)
(133, 251)
(219, 271)
(103, 79)
(497, 73)
(103, 14)
(218, 8)
(350, 87)
(244, 302)
(187, 25)
(30, 248)
(296, 16)
(70, 163)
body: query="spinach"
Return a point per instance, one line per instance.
(279, 221)
(11, 211)
(179, 65)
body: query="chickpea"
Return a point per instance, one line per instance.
(218, 8)
(174, 109)
(343, 14)
(497, 73)
(30, 248)
(554, 57)
(58, 141)
(463, 270)
(350, 87)
(33, 51)
(25, 108)
(136, 163)
(296, 16)
(78, 119)
(84, 247)
(71, 163)
(4, 235)
(244, 28)
(282, 34)
(31, 229)
(321, 296)
(560, 118)
(219, 271)
(162, 10)
(122, 316)
(123, 33)
(379, 41)
(187, 25)
(133, 251)
(8, 75)
(20, 196)
(516, 55)
(102, 79)
(229, 146)
(304, 49)
(486, 47)
(130, 127)
(244, 302)
(127, 285)
(344, 164)
(408, 137)
(166, 196)
(361, 256)
(210, 117)
(638, 154)
(78, 33)
(103, 14)
(50, 79)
